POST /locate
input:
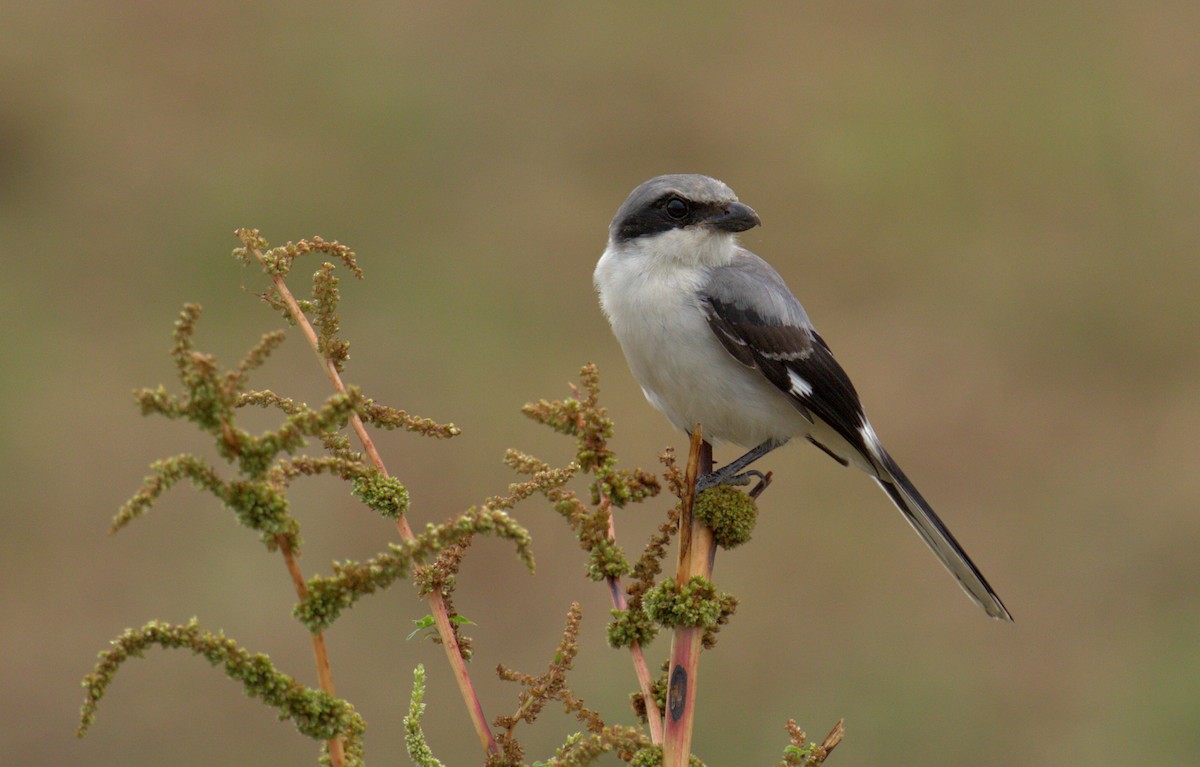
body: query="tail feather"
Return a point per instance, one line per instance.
(919, 514)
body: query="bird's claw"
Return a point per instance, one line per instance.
(715, 478)
(762, 485)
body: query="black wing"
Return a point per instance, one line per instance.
(795, 359)
(758, 320)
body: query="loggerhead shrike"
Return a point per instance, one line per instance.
(714, 336)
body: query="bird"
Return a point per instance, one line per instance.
(714, 336)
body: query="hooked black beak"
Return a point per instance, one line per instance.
(738, 217)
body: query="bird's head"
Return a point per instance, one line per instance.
(688, 217)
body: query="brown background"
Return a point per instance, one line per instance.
(990, 214)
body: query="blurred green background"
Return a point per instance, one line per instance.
(990, 213)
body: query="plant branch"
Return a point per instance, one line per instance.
(437, 605)
(697, 552)
(653, 715)
(337, 753)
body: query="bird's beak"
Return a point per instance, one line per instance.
(738, 217)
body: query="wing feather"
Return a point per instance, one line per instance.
(762, 325)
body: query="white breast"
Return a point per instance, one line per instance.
(655, 313)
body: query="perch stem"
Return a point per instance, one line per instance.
(697, 553)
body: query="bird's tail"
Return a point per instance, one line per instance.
(918, 513)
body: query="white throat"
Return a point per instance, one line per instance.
(689, 247)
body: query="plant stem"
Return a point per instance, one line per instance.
(653, 715)
(337, 753)
(696, 554)
(437, 605)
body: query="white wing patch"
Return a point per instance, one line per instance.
(871, 441)
(800, 387)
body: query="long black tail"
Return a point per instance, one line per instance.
(918, 513)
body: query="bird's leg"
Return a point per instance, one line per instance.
(729, 473)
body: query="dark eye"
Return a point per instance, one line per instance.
(677, 208)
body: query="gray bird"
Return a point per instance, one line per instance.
(714, 336)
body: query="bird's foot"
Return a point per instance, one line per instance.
(723, 477)
(732, 474)
(762, 485)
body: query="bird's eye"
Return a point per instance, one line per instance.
(677, 208)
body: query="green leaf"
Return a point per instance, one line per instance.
(422, 624)
(428, 623)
